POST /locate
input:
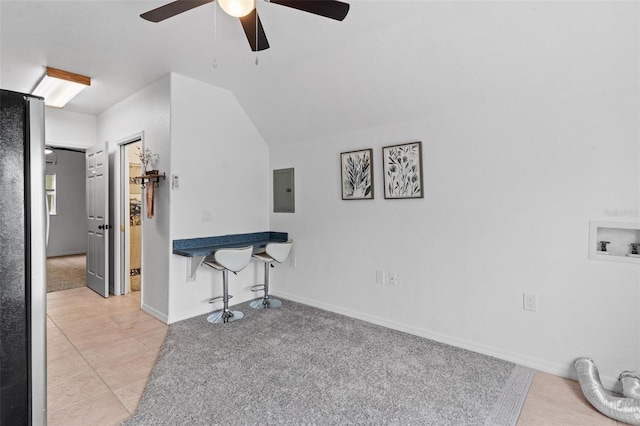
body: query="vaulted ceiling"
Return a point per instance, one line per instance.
(387, 62)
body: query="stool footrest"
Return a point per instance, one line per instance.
(257, 287)
(215, 299)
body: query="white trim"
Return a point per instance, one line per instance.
(119, 251)
(567, 371)
(64, 144)
(38, 284)
(156, 314)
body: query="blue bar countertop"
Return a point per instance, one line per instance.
(192, 247)
(197, 249)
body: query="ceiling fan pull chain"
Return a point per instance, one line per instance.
(255, 5)
(215, 34)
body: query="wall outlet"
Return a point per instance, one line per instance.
(379, 276)
(175, 182)
(529, 302)
(207, 216)
(393, 278)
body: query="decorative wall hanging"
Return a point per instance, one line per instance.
(402, 168)
(152, 177)
(146, 158)
(357, 174)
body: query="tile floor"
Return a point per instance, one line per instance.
(101, 352)
(556, 401)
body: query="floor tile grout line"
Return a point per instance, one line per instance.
(90, 366)
(109, 315)
(94, 370)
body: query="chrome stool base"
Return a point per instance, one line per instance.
(221, 316)
(265, 303)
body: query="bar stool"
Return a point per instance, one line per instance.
(274, 252)
(234, 260)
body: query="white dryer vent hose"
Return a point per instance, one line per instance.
(626, 409)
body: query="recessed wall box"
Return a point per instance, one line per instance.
(620, 237)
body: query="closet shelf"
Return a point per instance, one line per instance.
(151, 178)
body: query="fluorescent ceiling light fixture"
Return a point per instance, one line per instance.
(237, 8)
(58, 87)
(48, 150)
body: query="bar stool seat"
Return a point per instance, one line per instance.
(274, 252)
(225, 260)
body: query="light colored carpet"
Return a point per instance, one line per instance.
(301, 365)
(66, 272)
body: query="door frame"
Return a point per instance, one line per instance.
(119, 206)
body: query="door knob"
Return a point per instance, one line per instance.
(104, 226)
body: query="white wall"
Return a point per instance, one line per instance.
(511, 183)
(202, 135)
(222, 164)
(67, 228)
(70, 129)
(145, 112)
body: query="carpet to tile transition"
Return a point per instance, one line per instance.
(66, 272)
(301, 365)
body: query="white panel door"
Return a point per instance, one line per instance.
(97, 177)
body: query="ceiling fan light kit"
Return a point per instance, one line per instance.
(237, 8)
(248, 14)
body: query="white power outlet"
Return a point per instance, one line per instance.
(393, 278)
(529, 302)
(379, 276)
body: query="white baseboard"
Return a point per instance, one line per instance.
(566, 371)
(207, 308)
(156, 314)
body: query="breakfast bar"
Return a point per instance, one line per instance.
(198, 249)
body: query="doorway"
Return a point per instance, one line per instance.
(132, 216)
(66, 201)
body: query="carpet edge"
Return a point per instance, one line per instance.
(507, 409)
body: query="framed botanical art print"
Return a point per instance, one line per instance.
(357, 174)
(402, 168)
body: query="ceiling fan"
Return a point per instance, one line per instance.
(246, 11)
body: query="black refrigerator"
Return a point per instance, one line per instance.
(23, 229)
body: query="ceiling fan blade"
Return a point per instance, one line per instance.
(249, 25)
(172, 9)
(328, 8)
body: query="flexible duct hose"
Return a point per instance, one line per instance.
(630, 384)
(625, 409)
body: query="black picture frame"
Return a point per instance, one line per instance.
(402, 171)
(356, 173)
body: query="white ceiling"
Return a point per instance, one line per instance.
(388, 61)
